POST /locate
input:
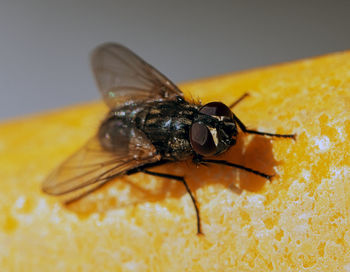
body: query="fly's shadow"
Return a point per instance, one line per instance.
(252, 151)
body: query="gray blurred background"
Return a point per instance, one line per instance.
(44, 45)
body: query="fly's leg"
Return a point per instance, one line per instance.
(244, 129)
(223, 162)
(238, 100)
(183, 181)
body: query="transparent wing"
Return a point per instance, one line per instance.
(92, 165)
(123, 77)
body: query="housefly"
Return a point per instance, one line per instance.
(149, 124)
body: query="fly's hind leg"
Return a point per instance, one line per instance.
(94, 187)
(183, 181)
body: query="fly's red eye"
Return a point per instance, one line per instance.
(216, 109)
(202, 140)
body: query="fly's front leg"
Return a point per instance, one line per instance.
(183, 181)
(244, 129)
(238, 100)
(201, 161)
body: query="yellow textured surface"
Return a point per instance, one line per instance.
(298, 222)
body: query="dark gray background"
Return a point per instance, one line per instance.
(44, 45)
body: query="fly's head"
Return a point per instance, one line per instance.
(214, 130)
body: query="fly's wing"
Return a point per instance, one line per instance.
(122, 77)
(93, 165)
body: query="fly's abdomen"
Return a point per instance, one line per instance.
(114, 133)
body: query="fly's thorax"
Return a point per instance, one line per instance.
(167, 124)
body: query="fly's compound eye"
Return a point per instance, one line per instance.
(216, 109)
(202, 140)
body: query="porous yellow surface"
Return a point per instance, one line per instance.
(297, 222)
